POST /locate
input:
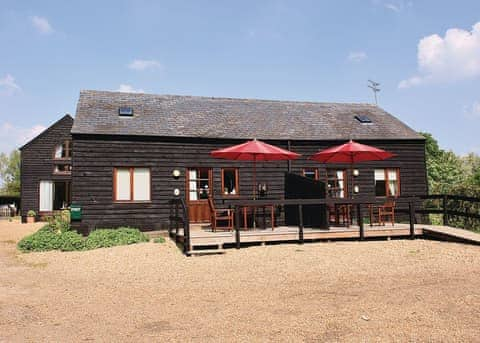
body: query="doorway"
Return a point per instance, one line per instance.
(199, 188)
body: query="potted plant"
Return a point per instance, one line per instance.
(31, 216)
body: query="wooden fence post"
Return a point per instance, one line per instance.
(411, 210)
(300, 224)
(360, 222)
(237, 227)
(445, 212)
(186, 230)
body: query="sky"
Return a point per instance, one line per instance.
(425, 55)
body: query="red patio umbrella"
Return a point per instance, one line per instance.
(351, 152)
(254, 150)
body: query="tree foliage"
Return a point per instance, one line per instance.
(449, 173)
(10, 173)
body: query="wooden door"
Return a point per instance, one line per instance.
(199, 187)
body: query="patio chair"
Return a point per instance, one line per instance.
(220, 216)
(385, 211)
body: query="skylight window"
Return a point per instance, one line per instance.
(363, 119)
(125, 112)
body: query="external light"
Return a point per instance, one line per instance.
(176, 192)
(176, 173)
(356, 172)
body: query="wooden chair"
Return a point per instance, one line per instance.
(386, 210)
(219, 216)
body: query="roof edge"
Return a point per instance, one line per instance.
(66, 116)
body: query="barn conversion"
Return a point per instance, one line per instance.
(115, 159)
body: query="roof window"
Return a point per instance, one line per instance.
(363, 119)
(125, 112)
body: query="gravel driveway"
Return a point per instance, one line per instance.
(395, 290)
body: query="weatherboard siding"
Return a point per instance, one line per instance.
(95, 157)
(37, 163)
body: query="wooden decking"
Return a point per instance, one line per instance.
(204, 237)
(201, 237)
(452, 234)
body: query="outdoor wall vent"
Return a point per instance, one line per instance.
(363, 119)
(125, 112)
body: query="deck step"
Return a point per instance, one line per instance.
(207, 252)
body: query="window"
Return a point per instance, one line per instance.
(63, 150)
(131, 184)
(387, 182)
(125, 112)
(311, 173)
(230, 181)
(62, 169)
(336, 183)
(46, 196)
(198, 183)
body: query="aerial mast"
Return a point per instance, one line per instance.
(375, 88)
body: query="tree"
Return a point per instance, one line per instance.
(10, 173)
(444, 168)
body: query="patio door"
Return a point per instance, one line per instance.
(199, 187)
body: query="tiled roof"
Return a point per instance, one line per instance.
(192, 116)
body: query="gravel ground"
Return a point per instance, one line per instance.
(395, 290)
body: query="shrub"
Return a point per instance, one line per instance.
(42, 240)
(104, 238)
(31, 213)
(60, 222)
(159, 240)
(72, 241)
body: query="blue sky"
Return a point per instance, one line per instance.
(425, 54)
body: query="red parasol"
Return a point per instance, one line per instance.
(254, 151)
(351, 152)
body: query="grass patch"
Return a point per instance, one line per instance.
(159, 240)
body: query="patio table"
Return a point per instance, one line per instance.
(254, 207)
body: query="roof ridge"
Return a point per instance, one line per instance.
(230, 98)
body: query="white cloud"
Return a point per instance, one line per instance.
(124, 88)
(8, 86)
(357, 56)
(473, 111)
(144, 65)
(456, 56)
(15, 136)
(42, 25)
(392, 7)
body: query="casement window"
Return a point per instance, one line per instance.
(230, 181)
(131, 184)
(387, 182)
(337, 183)
(63, 150)
(311, 173)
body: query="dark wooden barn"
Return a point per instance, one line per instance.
(126, 146)
(46, 170)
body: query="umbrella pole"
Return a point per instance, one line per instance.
(254, 186)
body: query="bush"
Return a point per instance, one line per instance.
(60, 222)
(51, 237)
(31, 213)
(104, 238)
(72, 241)
(42, 240)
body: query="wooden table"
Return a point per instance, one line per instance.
(254, 207)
